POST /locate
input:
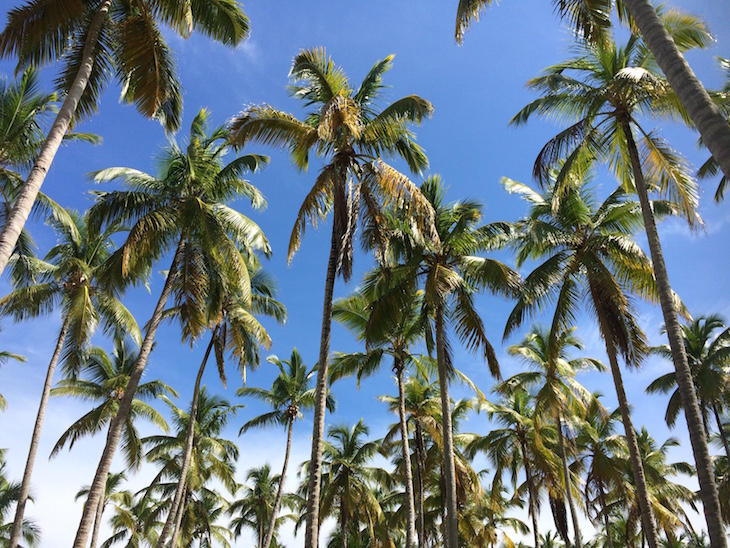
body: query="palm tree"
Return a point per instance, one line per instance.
(134, 520)
(234, 329)
(111, 494)
(345, 128)
(708, 356)
(613, 86)
(591, 18)
(589, 253)
(289, 395)
(558, 395)
(106, 381)
(95, 41)
(71, 275)
(185, 208)
(8, 496)
(392, 336)
(256, 509)
(347, 478)
(452, 274)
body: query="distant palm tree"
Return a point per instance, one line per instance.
(708, 355)
(96, 42)
(184, 209)
(289, 395)
(346, 128)
(73, 276)
(9, 492)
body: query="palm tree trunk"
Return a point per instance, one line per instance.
(343, 524)
(35, 439)
(637, 468)
(706, 116)
(721, 430)
(410, 505)
(311, 538)
(97, 524)
(606, 521)
(530, 493)
(187, 453)
(27, 195)
(421, 465)
(178, 517)
(98, 485)
(451, 537)
(568, 490)
(703, 463)
(280, 491)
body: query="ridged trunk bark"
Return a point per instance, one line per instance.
(451, 530)
(187, 453)
(530, 493)
(280, 491)
(421, 465)
(97, 488)
(17, 528)
(311, 538)
(706, 116)
(568, 490)
(703, 463)
(26, 198)
(410, 505)
(637, 468)
(97, 524)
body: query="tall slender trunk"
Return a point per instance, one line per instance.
(451, 537)
(604, 511)
(280, 491)
(188, 451)
(530, 493)
(24, 202)
(637, 468)
(421, 465)
(343, 524)
(703, 463)
(721, 430)
(311, 538)
(706, 116)
(35, 439)
(97, 488)
(178, 517)
(97, 524)
(568, 489)
(410, 505)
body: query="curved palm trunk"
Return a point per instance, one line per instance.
(96, 491)
(606, 521)
(97, 524)
(451, 537)
(24, 202)
(410, 505)
(706, 116)
(311, 539)
(530, 493)
(421, 465)
(187, 453)
(280, 491)
(35, 439)
(705, 477)
(568, 490)
(721, 430)
(637, 468)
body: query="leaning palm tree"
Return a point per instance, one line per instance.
(289, 395)
(94, 41)
(183, 209)
(591, 19)
(604, 92)
(452, 273)
(586, 251)
(111, 494)
(345, 128)
(558, 394)
(71, 275)
(709, 360)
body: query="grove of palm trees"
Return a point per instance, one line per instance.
(376, 275)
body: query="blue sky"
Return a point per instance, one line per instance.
(475, 88)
